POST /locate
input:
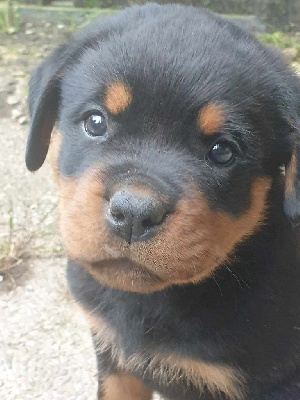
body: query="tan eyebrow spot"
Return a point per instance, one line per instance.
(117, 97)
(210, 119)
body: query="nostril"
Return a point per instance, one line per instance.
(154, 220)
(117, 209)
(117, 216)
(148, 223)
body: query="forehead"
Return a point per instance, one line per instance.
(169, 62)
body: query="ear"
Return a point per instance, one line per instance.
(292, 180)
(43, 101)
(44, 90)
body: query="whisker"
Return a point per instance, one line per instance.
(213, 276)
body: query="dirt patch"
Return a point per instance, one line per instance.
(46, 350)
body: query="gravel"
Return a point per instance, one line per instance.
(45, 344)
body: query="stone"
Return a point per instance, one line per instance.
(19, 73)
(291, 53)
(12, 100)
(22, 120)
(15, 113)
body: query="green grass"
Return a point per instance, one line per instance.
(4, 23)
(13, 248)
(99, 11)
(16, 246)
(279, 39)
(10, 19)
(3, 6)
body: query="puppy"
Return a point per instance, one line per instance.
(172, 128)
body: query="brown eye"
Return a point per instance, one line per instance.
(222, 153)
(95, 125)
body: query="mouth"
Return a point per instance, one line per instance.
(123, 273)
(123, 263)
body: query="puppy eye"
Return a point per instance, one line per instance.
(95, 125)
(222, 153)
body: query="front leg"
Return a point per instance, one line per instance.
(122, 387)
(113, 384)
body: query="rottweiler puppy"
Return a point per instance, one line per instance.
(175, 146)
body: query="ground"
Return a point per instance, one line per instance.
(45, 346)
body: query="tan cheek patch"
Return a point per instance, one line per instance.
(87, 237)
(196, 239)
(117, 98)
(290, 175)
(55, 145)
(211, 119)
(82, 215)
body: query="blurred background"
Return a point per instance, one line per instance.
(45, 346)
(277, 13)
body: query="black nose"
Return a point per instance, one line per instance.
(135, 217)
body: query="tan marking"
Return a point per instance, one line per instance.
(55, 145)
(117, 98)
(125, 387)
(138, 190)
(82, 214)
(168, 368)
(192, 243)
(216, 378)
(196, 239)
(211, 119)
(290, 175)
(105, 335)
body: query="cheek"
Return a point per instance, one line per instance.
(82, 220)
(196, 239)
(81, 206)
(192, 243)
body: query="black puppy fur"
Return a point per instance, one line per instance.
(233, 333)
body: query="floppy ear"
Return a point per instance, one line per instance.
(43, 101)
(292, 180)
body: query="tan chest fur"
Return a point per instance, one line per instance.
(168, 368)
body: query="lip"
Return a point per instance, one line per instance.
(124, 265)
